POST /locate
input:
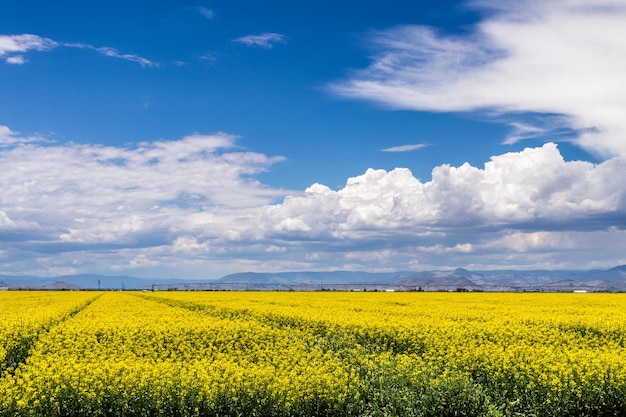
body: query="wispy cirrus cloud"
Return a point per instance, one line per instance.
(114, 53)
(202, 11)
(405, 148)
(205, 12)
(14, 47)
(9, 137)
(264, 40)
(554, 58)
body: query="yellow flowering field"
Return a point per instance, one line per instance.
(313, 354)
(26, 314)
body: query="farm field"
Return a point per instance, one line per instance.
(311, 354)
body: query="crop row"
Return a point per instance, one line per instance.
(23, 316)
(319, 354)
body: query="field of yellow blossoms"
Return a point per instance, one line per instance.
(311, 354)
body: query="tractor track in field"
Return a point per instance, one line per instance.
(18, 352)
(322, 334)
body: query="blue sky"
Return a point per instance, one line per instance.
(194, 139)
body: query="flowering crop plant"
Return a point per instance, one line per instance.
(311, 354)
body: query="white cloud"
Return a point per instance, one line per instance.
(12, 47)
(192, 207)
(560, 57)
(142, 261)
(556, 249)
(91, 194)
(9, 137)
(535, 241)
(5, 222)
(16, 60)
(533, 190)
(205, 11)
(210, 58)
(189, 244)
(114, 53)
(405, 148)
(23, 43)
(264, 40)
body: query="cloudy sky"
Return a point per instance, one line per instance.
(193, 139)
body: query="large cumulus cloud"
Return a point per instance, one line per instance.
(192, 207)
(516, 190)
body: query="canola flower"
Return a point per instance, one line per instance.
(325, 354)
(538, 352)
(23, 315)
(131, 355)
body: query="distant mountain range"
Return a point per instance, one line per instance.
(613, 279)
(84, 282)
